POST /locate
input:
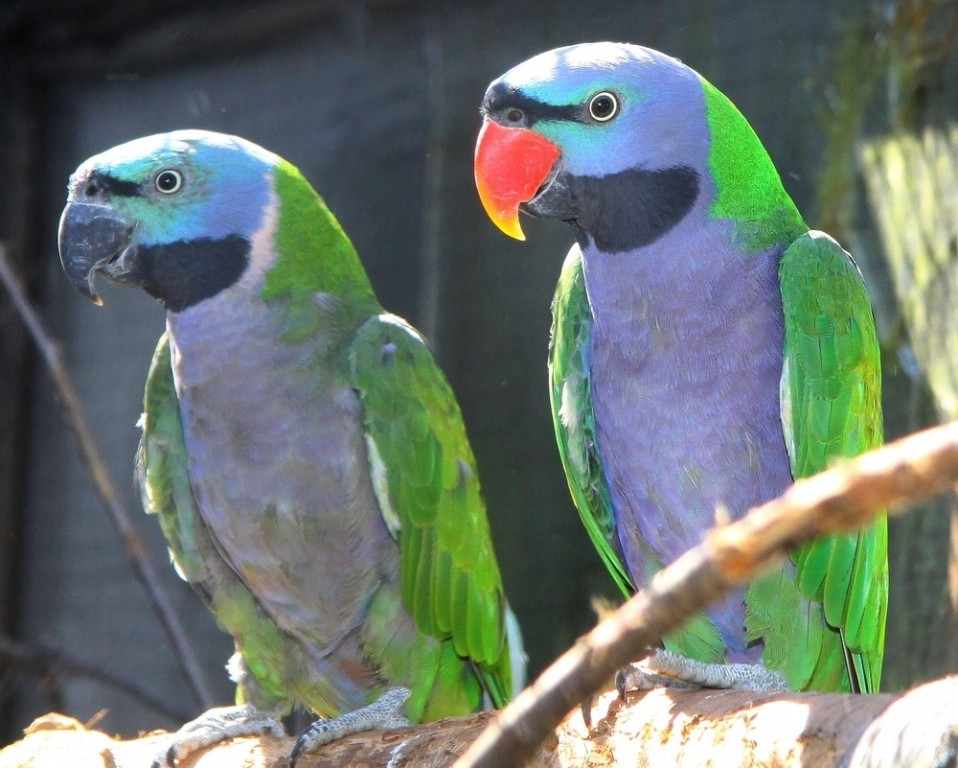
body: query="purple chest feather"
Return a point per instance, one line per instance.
(686, 362)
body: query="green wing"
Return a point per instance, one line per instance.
(573, 417)
(425, 479)
(831, 407)
(164, 478)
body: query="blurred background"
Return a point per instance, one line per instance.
(377, 103)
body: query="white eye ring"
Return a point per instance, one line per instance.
(603, 106)
(168, 181)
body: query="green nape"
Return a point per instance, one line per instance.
(748, 189)
(315, 255)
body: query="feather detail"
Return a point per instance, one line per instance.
(574, 420)
(449, 577)
(832, 362)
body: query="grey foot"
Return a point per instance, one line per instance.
(636, 677)
(216, 725)
(671, 670)
(386, 712)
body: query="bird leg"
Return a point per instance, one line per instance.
(671, 670)
(216, 725)
(386, 712)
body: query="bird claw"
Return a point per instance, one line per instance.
(216, 725)
(634, 677)
(664, 669)
(386, 713)
(586, 708)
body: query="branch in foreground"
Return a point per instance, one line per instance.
(661, 727)
(840, 499)
(104, 485)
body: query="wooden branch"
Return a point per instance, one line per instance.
(661, 727)
(839, 499)
(75, 416)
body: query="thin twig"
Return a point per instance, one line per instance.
(843, 498)
(42, 660)
(432, 210)
(104, 485)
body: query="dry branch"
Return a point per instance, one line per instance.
(75, 416)
(842, 498)
(662, 727)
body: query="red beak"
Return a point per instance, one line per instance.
(511, 164)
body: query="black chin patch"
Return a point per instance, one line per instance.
(630, 209)
(185, 272)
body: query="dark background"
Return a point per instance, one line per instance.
(377, 103)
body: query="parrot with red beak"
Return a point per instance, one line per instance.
(707, 350)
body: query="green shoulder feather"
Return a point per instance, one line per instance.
(831, 408)
(424, 474)
(574, 420)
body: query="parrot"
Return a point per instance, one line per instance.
(304, 454)
(707, 349)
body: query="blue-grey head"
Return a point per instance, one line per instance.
(609, 137)
(174, 213)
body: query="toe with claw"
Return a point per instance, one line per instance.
(665, 669)
(386, 712)
(216, 725)
(640, 677)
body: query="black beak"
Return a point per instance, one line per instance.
(91, 238)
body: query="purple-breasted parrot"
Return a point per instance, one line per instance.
(303, 452)
(707, 349)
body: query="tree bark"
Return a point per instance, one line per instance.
(660, 727)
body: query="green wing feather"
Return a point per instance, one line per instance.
(831, 407)
(164, 478)
(574, 420)
(425, 478)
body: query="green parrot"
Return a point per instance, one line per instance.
(707, 350)
(304, 454)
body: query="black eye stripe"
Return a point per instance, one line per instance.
(501, 99)
(103, 183)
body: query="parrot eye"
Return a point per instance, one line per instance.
(603, 106)
(514, 116)
(168, 181)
